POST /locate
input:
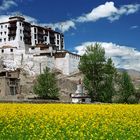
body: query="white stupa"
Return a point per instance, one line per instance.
(79, 96)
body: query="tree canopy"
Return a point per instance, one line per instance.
(46, 85)
(98, 73)
(102, 80)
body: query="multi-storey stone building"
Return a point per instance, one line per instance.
(34, 46)
(21, 34)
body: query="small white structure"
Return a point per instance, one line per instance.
(79, 96)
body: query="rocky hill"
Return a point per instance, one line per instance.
(67, 84)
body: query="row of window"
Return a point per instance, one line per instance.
(3, 40)
(1, 33)
(11, 50)
(4, 26)
(11, 38)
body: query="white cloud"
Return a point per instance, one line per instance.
(62, 26)
(123, 56)
(6, 4)
(30, 19)
(124, 10)
(109, 11)
(5, 18)
(102, 11)
(134, 27)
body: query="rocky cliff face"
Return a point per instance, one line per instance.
(67, 85)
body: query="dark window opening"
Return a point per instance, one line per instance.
(83, 100)
(2, 51)
(35, 36)
(21, 38)
(11, 50)
(35, 30)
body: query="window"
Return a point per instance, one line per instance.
(35, 42)
(35, 36)
(35, 30)
(32, 48)
(1, 33)
(21, 38)
(20, 23)
(4, 39)
(57, 36)
(20, 31)
(83, 100)
(13, 38)
(2, 51)
(5, 33)
(11, 50)
(57, 41)
(2, 26)
(0, 40)
(45, 38)
(5, 26)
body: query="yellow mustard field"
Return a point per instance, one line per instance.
(69, 122)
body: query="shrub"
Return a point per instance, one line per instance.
(117, 99)
(132, 99)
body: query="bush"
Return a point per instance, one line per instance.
(46, 85)
(117, 99)
(132, 99)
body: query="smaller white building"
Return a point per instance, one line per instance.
(79, 96)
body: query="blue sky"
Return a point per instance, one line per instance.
(114, 24)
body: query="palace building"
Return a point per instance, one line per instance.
(34, 47)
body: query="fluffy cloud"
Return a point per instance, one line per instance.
(62, 26)
(6, 4)
(124, 10)
(102, 11)
(123, 56)
(4, 18)
(30, 19)
(109, 11)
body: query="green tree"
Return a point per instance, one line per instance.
(108, 86)
(97, 72)
(46, 85)
(126, 87)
